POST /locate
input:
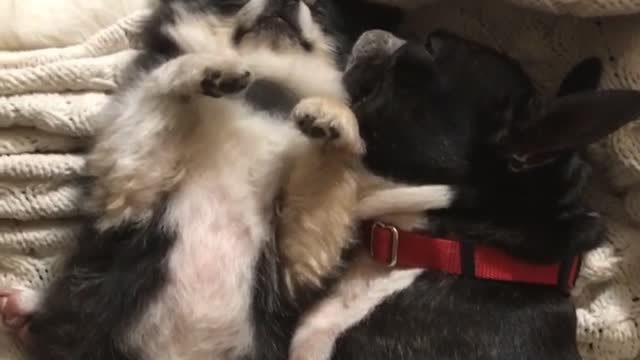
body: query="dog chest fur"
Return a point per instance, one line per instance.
(221, 215)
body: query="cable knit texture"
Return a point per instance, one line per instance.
(48, 97)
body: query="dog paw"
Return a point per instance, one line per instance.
(205, 74)
(219, 81)
(16, 307)
(328, 122)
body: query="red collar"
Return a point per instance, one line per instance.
(397, 248)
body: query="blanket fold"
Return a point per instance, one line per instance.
(18, 140)
(62, 113)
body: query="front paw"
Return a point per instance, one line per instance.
(204, 74)
(16, 309)
(225, 80)
(328, 122)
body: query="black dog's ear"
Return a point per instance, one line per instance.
(584, 76)
(574, 121)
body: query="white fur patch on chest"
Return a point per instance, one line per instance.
(222, 217)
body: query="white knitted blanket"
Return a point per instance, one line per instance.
(47, 98)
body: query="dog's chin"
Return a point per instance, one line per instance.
(275, 32)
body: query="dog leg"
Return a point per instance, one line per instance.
(365, 285)
(293, 71)
(320, 194)
(405, 199)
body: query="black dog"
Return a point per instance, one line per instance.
(459, 113)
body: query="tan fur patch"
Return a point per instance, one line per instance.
(320, 194)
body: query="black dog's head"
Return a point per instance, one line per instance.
(422, 107)
(453, 111)
(427, 111)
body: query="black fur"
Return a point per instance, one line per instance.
(460, 113)
(107, 281)
(275, 317)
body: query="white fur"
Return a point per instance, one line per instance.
(250, 12)
(15, 307)
(23, 300)
(222, 216)
(364, 287)
(404, 200)
(32, 24)
(195, 32)
(305, 75)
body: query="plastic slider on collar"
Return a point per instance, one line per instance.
(394, 236)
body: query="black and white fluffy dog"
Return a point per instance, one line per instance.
(460, 113)
(179, 262)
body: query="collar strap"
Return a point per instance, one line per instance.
(403, 249)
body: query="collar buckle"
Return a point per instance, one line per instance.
(395, 237)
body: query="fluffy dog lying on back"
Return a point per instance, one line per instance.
(179, 262)
(455, 112)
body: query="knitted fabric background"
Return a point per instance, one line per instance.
(47, 98)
